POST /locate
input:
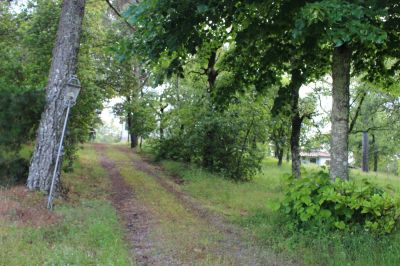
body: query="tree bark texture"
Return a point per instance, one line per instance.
(365, 151)
(64, 65)
(280, 157)
(209, 137)
(296, 82)
(288, 154)
(375, 152)
(134, 140)
(341, 62)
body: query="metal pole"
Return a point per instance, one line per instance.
(50, 199)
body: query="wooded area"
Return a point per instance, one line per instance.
(219, 85)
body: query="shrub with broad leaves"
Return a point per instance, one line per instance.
(317, 201)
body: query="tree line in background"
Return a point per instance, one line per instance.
(269, 50)
(216, 83)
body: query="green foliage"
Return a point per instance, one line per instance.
(347, 22)
(21, 98)
(26, 43)
(13, 170)
(224, 141)
(141, 110)
(19, 114)
(316, 201)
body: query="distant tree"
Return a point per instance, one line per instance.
(378, 123)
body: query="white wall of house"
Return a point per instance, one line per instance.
(321, 161)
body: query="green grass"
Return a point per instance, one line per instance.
(87, 233)
(178, 231)
(250, 205)
(382, 179)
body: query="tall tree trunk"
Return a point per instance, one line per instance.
(288, 154)
(276, 150)
(375, 152)
(340, 112)
(162, 108)
(295, 145)
(295, 84)
(64, 65)
(365, 151)
(212, 73)
(208, 148)
(209, 136)
(280, 156)
(134, 139)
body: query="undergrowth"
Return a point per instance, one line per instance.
(315, 201)
(252, 206)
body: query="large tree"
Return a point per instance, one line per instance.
(63, 66)
(262, 49)
(349, 28)
(266, 55)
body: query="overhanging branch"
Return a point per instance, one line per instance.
(119, 15)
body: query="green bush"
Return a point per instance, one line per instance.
(316, 201)
(13, 171)
(222, 141)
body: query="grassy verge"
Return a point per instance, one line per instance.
(250, 206)
(83, 230)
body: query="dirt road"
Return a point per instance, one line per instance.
(165, 226)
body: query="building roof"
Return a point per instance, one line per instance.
(315, 154)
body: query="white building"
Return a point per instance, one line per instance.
(318, 157)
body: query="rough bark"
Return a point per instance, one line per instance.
(212, 73)
(134, 141)
(288, 154)
(341, 62)
(296, 82)
(133, 137)
(64, 64)
(295, 145)
(276, 150)
(375, 153)
(209, 137)
(161, 115)
(280, 157)
(365, 161)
